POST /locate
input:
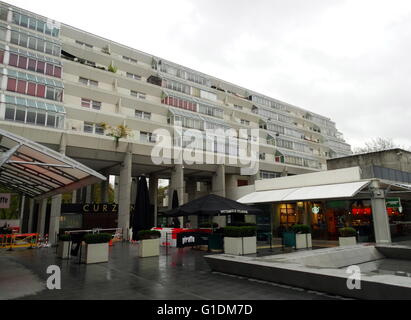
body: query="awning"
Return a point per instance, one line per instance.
(330, 191)
(40, 172)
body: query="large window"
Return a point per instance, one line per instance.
(133, 76)
(143, 115)
(83, 44)
(147, 137)
(35, 89)
(137, 94)
(34, 116)
(35, 24)
(184, 74)
(90, 104)
(210, 110)
(32, 41)
(88, 82)
(180, 103)
(176, 86)
(129, 59)
(94, 128)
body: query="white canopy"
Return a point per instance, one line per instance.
(40, 172)
(330, 191)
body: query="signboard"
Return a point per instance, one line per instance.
(85, 208)
(191, 239)
(393, 202)
(5, 199)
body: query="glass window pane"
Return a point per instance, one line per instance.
(22, 62)
(32, 43)
(41, 119)
(51, 120)
(32, 24)
(20, 114)
(32, 65)
(40, 66)
(85, 103)
(23, 40)
(49, 48)
(31, 89)
(21, 86)
(24, 21)
(10, 110)
(49, 69)
(14, 37)
(40, 26)
(11, 84)
(40, 45)
(13, 59)
(50, 93)
(57, 72)
(41, 90)
(31, 116)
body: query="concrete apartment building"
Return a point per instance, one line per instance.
(62, 87)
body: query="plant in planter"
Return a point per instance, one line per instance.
(347, 236)
(302, 236)
(64, 246)
(96, 247)
(112, 68)
(118, 132)
(149, 243)
(240, 240)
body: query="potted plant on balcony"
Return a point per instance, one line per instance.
(149, 243)
(64, 246)
(112, 68)
(96, 248)
(240, 240)
(302, 236)
(347, 236)
(118, 132)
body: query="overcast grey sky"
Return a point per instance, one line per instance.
(348, 60)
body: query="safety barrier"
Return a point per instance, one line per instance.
(26, 240)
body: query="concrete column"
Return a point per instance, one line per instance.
(55, 214)
(88, 194)
(116, 189)
(124, 188)
(191, 187)
(379, 212)
(176, 183)
(218, 181)
(74, 196)
(252, 179)
(41, 221)
(31, 213)
(22, 204)
(153, 193)
(104, 190)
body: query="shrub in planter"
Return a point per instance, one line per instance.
(302, 236)
(301, 228)
(347, 236)
(94, 238)
(240, 240)
(149, 234)
(149, 245)
(240, 232)
(347, 232)
(64, 237)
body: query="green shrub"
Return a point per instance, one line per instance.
(240, 232)
(64, 237)
(347, 232)
(93, 238)
(241, 224)
(148, 234)
(208, 225)
(301, 228)
(112, 68)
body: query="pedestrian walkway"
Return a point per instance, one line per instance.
(183, 274)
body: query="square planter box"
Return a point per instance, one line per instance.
(240, 246)
(347, 241)
(303, 241)
(64, 249)
(149, 248)
(95, 253)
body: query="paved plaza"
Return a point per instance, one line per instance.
(182, 274)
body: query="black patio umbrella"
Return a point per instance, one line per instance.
(212, 205)
(141, 216)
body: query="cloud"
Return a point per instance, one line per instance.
(347, 60)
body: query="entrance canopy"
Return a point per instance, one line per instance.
(330, 191)
(40, 172)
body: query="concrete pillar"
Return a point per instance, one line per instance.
(218, 181)
(104, 190)
(252, 179)
(41, 221)
(176, 183)
(379, 212)
(153, 193)
(124, 188)
(31, 213)
(55, 214)
(22, 205)
(88, 194)
(74, 196)
(116, 189)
